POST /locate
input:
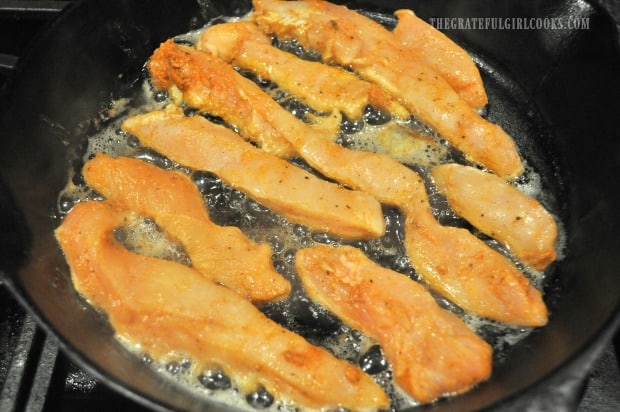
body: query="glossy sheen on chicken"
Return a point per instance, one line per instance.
(324, 88)
(432, 352)
(223, 254)
(501, 211)
(347, 38)
(453, 261)
(471, 274)
(207, 85)
(425, 43)
(168, 308)
(277, 184)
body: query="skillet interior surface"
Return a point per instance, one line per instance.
(554, 91)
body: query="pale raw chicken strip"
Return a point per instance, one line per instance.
(277, 184)
(312, 145)
(322, 87)
(432, 352)
(345, 37)
(501, 211)
(425, 43)
(223, 254)
(172, 310)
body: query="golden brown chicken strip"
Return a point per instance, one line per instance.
(198, 75)
(223, 254)
(425, 43)
(345, 37)
(501, 211)
(171, 309)
(322, 87)
(432, 352)
(277, 184)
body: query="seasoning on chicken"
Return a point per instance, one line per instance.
(501, 211)
(468, 272)
(169, 309)
(425, 43)
(453, 261)
(347, 38)
(323, 88)
(494, 288)
(432, 352)
(262, 114)
(223, 254)
(198, 75)
(277, 184)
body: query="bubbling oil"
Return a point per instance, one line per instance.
(410, 142)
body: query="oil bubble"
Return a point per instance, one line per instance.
(277, 245)
(375, 117)
(173, 368)
(215, 380)
(300, 230)
(351, 126)
(155, 158)
(160, 96)
(260, 398)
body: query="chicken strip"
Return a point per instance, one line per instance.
(495, 289)
(345, 37)
(476, 277)
(263, 114)
(432, 352)
(453, 261)
(289, 190)
(197, 75)
(501, 211)
(323, 88)
(428, 45)
(170, 309)
(223, 254)
(321, 153)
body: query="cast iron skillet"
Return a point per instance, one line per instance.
(554, 91)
